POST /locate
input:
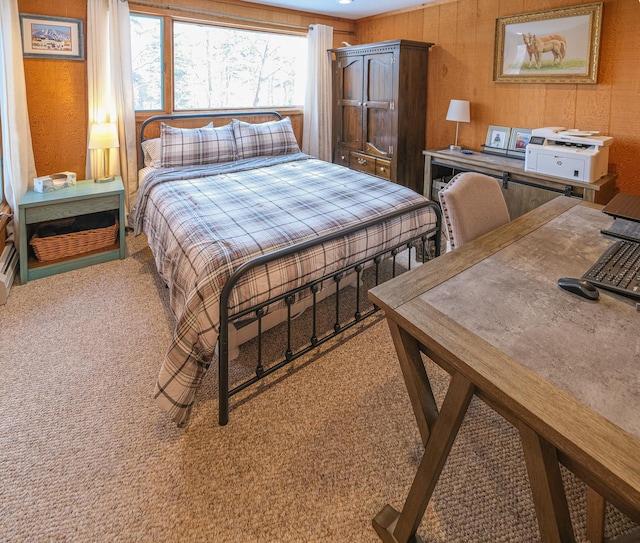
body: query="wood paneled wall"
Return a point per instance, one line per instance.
(57, 99)
(57, 89)
(461, 67)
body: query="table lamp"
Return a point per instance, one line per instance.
(104, 136)
(458, 112)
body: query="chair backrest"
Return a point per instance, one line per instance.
(472, 205)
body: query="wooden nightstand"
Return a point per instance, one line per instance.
(81, 199)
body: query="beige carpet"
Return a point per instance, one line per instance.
(85, 454)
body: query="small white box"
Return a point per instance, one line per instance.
(55, 181)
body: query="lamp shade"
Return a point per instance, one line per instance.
(459, 111)
(103, 136)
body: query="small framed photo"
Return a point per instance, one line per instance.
(52, 37)
(497, 139)
(519, 139)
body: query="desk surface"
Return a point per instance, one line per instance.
(511, 299)
(569, 368)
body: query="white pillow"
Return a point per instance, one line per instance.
(151, 152)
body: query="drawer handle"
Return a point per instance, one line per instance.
(362, 162)
(342, 157)
(383, 169)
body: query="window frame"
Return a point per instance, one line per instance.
(168, 66)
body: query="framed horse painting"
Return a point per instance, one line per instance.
(553, 46)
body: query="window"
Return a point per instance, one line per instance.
(146, 56)
(217, 67)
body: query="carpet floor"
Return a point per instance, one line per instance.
(311, 455)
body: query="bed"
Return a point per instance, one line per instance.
(248, 232)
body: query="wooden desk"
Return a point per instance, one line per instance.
(523, 191)
(563, 370)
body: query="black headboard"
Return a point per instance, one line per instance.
(178, 119)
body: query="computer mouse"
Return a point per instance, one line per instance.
(580, 287)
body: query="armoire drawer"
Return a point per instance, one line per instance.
(341, 157)
(363, 163)
(383, 168)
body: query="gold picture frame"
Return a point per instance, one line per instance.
(553, 46)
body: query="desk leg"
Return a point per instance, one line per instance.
(424, 404)
(596, 508)
(549, 496)
(428, 177)
(401, 528)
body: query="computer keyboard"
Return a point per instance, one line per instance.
(618, 269)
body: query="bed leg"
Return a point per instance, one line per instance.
(223, 374)
(223, 409)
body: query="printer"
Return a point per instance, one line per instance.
(570, 154)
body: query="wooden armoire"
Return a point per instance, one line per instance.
(380, 109)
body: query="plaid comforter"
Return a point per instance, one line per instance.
(202, 222)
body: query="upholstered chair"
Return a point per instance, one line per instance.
(472, 205)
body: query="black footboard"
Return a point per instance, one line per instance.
(420, 242)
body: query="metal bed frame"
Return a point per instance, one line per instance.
(180, 117)
(258, 311)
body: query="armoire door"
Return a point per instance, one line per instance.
(350, 126)
(380, 126)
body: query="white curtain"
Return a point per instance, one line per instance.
(316, 133)
(18, 165)
(110, 88)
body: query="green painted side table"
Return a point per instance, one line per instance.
(83, 198)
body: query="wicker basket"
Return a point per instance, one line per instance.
(73, 244)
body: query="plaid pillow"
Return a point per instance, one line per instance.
(265, 139)
(187, 147)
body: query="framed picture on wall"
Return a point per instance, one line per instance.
(553, 46)
(497, 140)
(519, 140)
(52, 37)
